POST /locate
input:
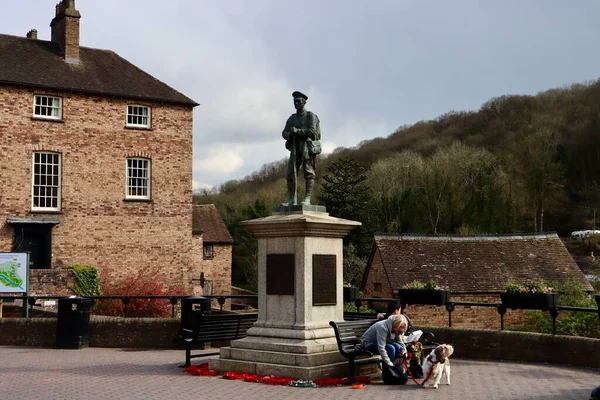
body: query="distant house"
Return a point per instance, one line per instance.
(212, 249)
(95, 161)
(474, 267)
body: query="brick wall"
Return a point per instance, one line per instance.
(51, 282)
(97, 226)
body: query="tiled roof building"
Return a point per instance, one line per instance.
(476, 268)
(213, 241)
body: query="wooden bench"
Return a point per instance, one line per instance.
(212, 327)
(348, 334)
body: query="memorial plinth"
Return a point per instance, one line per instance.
(300, 280)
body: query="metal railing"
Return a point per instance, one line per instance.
(501, 309)
(126, 300)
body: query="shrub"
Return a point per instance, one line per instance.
(571, 323)
(144, 284)
(351, 307)
(86, 280)
(431, 284)
(538, 286)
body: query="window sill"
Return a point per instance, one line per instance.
(207, 258)
(46, 211)
(138, 128)
(138, 200)
(60, 121)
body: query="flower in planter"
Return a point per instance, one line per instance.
(529, 287)
(429, 285)
(429, 292)
(532, 295)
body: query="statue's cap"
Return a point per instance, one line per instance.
(299, 94)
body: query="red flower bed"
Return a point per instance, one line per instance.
(202, 370)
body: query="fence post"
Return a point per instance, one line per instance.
(125, 302)
(450, 308)
(29, 306)
(173, 301)
(501, 310)
(553, 314)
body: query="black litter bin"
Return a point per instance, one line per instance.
(73, 327)
(191, 308)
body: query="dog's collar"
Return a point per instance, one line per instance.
(430, 359)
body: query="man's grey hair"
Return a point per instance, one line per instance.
(398, 320)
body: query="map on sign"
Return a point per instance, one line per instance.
(13, 272)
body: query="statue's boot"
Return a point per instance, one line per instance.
(310, 184)
(292, 196)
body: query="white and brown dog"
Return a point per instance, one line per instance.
(436, 364)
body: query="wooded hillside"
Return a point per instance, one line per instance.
(518, 164)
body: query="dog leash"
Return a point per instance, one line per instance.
(408, 356)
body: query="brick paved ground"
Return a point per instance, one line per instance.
(98, 373)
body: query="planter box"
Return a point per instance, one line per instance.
(420, 296)
(528, 301)
(350, 293)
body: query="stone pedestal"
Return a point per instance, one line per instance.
(300, 280)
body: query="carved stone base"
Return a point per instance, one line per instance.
(298, 359)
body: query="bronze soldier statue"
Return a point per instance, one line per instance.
(302, 133)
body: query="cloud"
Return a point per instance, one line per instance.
(367, 69)
(221, 159)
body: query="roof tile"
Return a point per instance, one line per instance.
(478, 263)
(207, 221)
(38, 63)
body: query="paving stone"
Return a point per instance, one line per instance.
(103, 373)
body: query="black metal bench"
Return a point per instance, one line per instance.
(348, 334)
(212, 327)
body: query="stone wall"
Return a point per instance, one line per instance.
(97, 225)
(520, 346)
(468, 343)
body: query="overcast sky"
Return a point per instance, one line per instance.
(368, 67)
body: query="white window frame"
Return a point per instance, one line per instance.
(48, 186)
(135, 116)
(52, 109)
(135, 181)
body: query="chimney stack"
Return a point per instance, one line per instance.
(65, 30)
(32, 34)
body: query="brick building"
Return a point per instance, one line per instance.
(212, 246)
(475, 268)
(95, 162)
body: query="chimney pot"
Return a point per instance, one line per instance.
(32, 34)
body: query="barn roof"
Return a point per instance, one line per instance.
(476, 263)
